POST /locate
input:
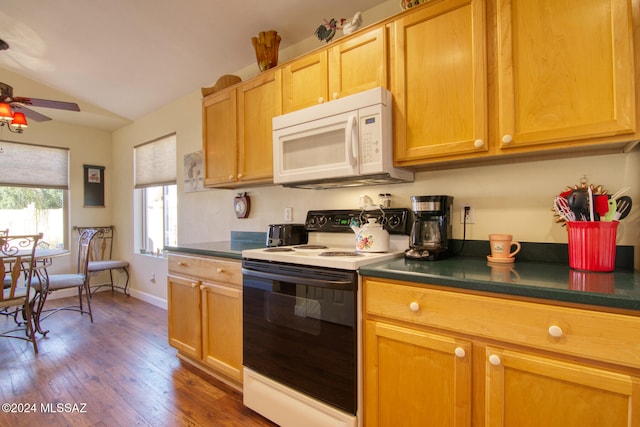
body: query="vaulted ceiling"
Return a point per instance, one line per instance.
(122, 59)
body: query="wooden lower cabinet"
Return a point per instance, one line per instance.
(185, 329)
(222, 329)
(205, 314)
(416, 378)
(528, 389)
(432, 359)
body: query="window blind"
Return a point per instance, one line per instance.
(31, 165)
(155, 162)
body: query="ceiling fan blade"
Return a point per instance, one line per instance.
(47, 103)
(33, 115)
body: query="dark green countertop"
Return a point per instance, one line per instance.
(525, 278)
(228, 249)
(232, 249)
(551, 281)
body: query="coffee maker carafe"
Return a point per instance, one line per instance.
(431, 231)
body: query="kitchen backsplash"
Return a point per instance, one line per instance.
(512, 198)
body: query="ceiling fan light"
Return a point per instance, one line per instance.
(6, 115)
(19, 120)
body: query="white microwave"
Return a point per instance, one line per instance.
(345, 142)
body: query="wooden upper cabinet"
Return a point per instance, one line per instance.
(565, 71)
(439, 81)
(237, 132)
(258, 102)
(219, 137)
(348, 66)
(358, 63)
(304, 82)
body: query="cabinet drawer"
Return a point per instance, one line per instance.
(214, 269)
(601, 336)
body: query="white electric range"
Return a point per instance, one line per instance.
(301, 320)
(332, 244)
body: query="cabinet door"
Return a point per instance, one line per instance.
(415, 378)
(565, 71)
(528, 390)
(439, 81)
(358, 63)
(219, 137)
(222, 328)
(258, 102)
(183, 300)
(305, 82)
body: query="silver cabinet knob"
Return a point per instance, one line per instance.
(414, 306)
(494, 359)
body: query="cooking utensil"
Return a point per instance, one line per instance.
(601, 204)
(620, 192)
(611, 212)
(561, 205)
(578, 202)
(623, 207)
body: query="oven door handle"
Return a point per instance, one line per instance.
(318, 283)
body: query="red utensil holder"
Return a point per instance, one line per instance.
(592, 245)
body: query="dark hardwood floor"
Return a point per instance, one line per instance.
(118, 371)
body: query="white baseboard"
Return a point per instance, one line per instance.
(151, 299)
(143, 296)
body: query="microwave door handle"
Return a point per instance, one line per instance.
(352, 138)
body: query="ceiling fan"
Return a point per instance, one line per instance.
(20, 104)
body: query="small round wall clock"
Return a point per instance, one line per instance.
(242, 205)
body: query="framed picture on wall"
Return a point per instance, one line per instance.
(193, 172)
(93, 186)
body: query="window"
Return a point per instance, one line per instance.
(155, 180)
(33, 199)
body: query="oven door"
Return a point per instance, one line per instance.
(299, 328)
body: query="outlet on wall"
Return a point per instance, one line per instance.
(467, 215)
(288, 214)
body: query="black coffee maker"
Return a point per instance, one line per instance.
(432, 230)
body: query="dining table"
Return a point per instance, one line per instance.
(43, 258)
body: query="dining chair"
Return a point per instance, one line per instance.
(17, 256)
(7, 281)
(100, 259)
(50, 283)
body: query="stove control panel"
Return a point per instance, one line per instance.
(395, 220)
